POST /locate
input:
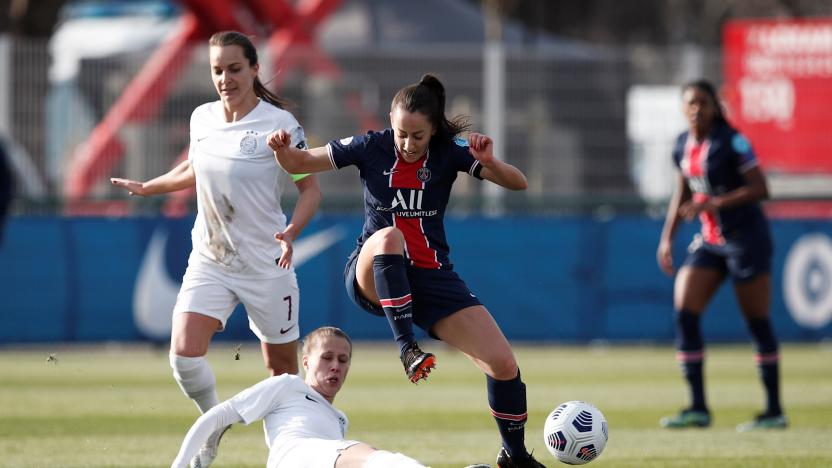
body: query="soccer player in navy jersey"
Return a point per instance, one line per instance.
(400, 268)
(721, 183)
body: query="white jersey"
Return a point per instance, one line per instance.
(239, 186)
(291, 411)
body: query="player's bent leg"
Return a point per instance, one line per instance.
(195, 378)
(381, 273)
(693, 289)
(385, 459)
(190, 337)
(695, 286)
(363, 456)
(753, 297)
(381, 242)
(281, 358)
(474, 332)
(191, 333)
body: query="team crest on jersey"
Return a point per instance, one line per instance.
(248, 145)
(423, 174)
(740, 144)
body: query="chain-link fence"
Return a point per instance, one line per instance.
(590, 126)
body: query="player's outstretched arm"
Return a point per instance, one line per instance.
(295, 160)
(499, 172)
(180, 177)
(212, 420)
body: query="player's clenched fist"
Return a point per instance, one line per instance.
(279, 140)
(481, 147)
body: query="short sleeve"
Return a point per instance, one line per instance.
(298, 141)
(463, 160)
(255, 402)
(192, 136)
(746, 159)
(348, 151)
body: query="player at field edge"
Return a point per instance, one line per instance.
(400, 268)
(303, 429)
(242, 244)
(721, 183)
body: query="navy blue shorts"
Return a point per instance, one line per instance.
(741, 261)
(436, 294)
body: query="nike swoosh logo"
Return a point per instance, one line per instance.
(310, 398)
(155, 292)
(284, 331)
(389, 172)
(308, 247)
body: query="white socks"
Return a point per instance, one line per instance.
(385, 459)
(196, 380)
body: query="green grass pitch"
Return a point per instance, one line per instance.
(119, 406)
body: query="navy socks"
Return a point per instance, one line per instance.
(507, 399)
(768, 362)
(691, 355)
(393, 289)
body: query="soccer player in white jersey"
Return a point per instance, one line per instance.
(303, 429)
(242, 244)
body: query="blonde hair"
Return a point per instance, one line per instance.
(317, 335)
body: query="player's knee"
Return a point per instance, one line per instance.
(182, 346)
(390, 240)
(385, 459)
(192, 373)
(504, 367)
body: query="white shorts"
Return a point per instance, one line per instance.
(272, 304)
(308, 453)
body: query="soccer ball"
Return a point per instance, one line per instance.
(575, 432)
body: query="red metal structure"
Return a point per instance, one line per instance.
(292, 30)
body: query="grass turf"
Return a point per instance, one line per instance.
(119, 406)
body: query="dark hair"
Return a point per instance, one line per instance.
(428, 97)
(227, 38)
(708, 88)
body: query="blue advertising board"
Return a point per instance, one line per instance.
(564, 279)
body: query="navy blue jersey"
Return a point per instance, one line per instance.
(409, 196)
(713, 167)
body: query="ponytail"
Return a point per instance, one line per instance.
(428, 97)
(263, 93)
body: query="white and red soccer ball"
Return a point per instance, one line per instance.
(575, 432)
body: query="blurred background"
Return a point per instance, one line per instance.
(583, 96)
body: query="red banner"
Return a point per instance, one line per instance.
(778, 89)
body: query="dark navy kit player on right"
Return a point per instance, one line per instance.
(401, 268)
(721, 183)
